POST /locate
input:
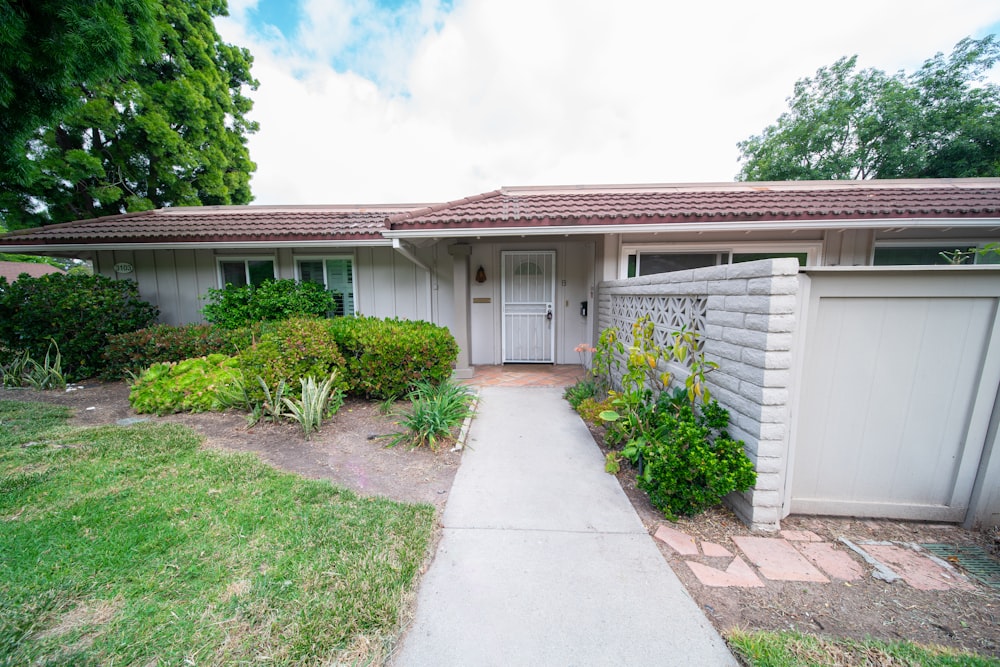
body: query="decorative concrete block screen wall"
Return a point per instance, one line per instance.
(746, 316)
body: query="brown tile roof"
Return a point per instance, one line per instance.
(729, 202)
(540, 207)
(219, 224)
(12, 270)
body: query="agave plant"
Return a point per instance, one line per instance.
(318, 402)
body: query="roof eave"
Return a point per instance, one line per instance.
(196, 245)
(683, 227)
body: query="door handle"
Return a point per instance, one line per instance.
(548, 315)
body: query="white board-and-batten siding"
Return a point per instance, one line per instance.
(386, 283)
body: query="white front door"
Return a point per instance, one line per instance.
(529, 286)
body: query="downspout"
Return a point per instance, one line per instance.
(403, 249)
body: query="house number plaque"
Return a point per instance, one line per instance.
(123, 267)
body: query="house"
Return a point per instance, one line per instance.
(542, 250)
(525, 274)
(11, 271)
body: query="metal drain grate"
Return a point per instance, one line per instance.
(972, 559)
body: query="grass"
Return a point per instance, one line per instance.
(133, 546)
(791, 649)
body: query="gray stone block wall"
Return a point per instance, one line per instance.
(749, 330)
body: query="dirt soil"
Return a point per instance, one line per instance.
(868, 607)
(348, 452)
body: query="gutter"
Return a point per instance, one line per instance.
(206, 245)
(682, 227)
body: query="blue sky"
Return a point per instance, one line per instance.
(371, 101)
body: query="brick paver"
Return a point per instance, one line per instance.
(680, 542)
(917, 569)
(778, 560)
(714, 550)
(836, 563)
(738, 574)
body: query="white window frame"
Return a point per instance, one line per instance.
(326, 279)
(812, 249)
(219, 259)
(951, 244)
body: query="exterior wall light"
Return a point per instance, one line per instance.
(480, 275)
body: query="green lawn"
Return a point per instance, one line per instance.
(791, 649)
(131, 546)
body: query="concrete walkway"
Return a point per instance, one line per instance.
(543, 561)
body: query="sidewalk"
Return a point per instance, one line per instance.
(543, 561)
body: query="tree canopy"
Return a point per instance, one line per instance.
(941, 121)
(166, 127)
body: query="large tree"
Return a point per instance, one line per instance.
(938, 122)
(171, 131)
(50, 49)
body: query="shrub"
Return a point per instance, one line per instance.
(133, 351)
(691, 463)
(290, 351)
(387, 358)
(77, 312)
(193, 385)
(272, 301)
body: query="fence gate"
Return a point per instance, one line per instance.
(899, 382)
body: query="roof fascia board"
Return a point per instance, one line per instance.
(683, 227)
(63, 247)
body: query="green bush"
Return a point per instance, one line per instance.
(193, 385)
(386, 358)
(77, 312)
(691, 463)
(292, 350)
(136, 350)
(272, 301)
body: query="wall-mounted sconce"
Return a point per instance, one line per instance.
(480, 275)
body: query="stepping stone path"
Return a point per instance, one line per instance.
(801, 555)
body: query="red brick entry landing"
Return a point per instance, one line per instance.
(526, 375)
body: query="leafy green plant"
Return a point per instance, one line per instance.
(78, 312)
(14, 368)
(290, 351)
(606, 359)
(387, 358)
(135, 350)
(193, 385)
(691, 463)
(272, 301)
(582, 390)
(435, 410)
(318, 402)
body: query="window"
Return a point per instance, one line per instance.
(647, 260)
(911, 255)
(336, 274)
(241, 272)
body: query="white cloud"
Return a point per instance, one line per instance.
(528, 92)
